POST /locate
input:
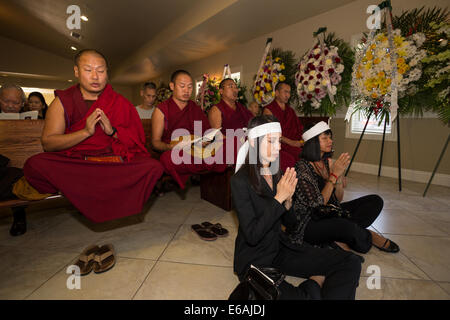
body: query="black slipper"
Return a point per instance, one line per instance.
(216, 228)
(393, 247)
(203, 232)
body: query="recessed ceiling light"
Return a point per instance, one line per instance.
(73, 48)
(69, 80)
(84, 18)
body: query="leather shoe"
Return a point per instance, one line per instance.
(392, 248)
(18, 228)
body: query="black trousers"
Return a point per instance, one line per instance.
(340, 268)
(364, 211)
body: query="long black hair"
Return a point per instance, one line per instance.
(311, 148)
(40, 97)
(254, 170)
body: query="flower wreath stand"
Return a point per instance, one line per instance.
(390, 84)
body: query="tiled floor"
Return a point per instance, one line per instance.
(159, 257)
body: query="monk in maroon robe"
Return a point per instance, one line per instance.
(292, 128)
(176, 117)
(229, 114)
(95, 145)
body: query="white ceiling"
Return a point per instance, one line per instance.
(143, 39)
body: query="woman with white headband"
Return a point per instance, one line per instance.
(261, 196)
(322, 182)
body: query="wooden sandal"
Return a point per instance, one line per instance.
(217, 228)
(86, 260)
(104, 258)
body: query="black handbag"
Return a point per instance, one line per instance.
(329, 211)
(259, 284)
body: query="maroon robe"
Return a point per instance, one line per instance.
(102, 191)
(234, 119)
(291, 128)
(175, 118)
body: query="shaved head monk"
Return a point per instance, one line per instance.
(292, 128)
(94, 143)
(175, 115)
(229, 113)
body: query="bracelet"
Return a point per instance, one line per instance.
(333, 183)
(114, 131)
(332, 174)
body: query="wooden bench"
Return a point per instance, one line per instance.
(19, 140)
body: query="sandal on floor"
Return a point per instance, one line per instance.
(104, 259)
(217, 228)
(393, 247)
(86, 260)
(203, 232)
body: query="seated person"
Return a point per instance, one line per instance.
(12, 99)
(262, 196)
(291, 145)
(254, 108)
(94, 143)
(230, 114)
(179, 116)
(148, 94)
(321, 182)
(36, 102)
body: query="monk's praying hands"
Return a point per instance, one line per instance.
(91, 122)
(104, 122)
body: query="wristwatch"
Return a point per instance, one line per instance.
(114, 131)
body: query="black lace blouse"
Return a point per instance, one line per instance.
(307, 196)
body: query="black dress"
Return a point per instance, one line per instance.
(261, 242)
(308, 196)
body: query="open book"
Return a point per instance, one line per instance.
(33, 115)
(207, 137)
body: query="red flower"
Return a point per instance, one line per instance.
(305, 83)
(326, 51)
(317, 56)
(321, 68)
(331, 70)
(319, 76)
(309, 96)
(301, 78)
(311, 77)
(317, 83)
(337, 60)
(316, 90)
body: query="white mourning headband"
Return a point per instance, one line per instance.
(259, 131)
(315, 131)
